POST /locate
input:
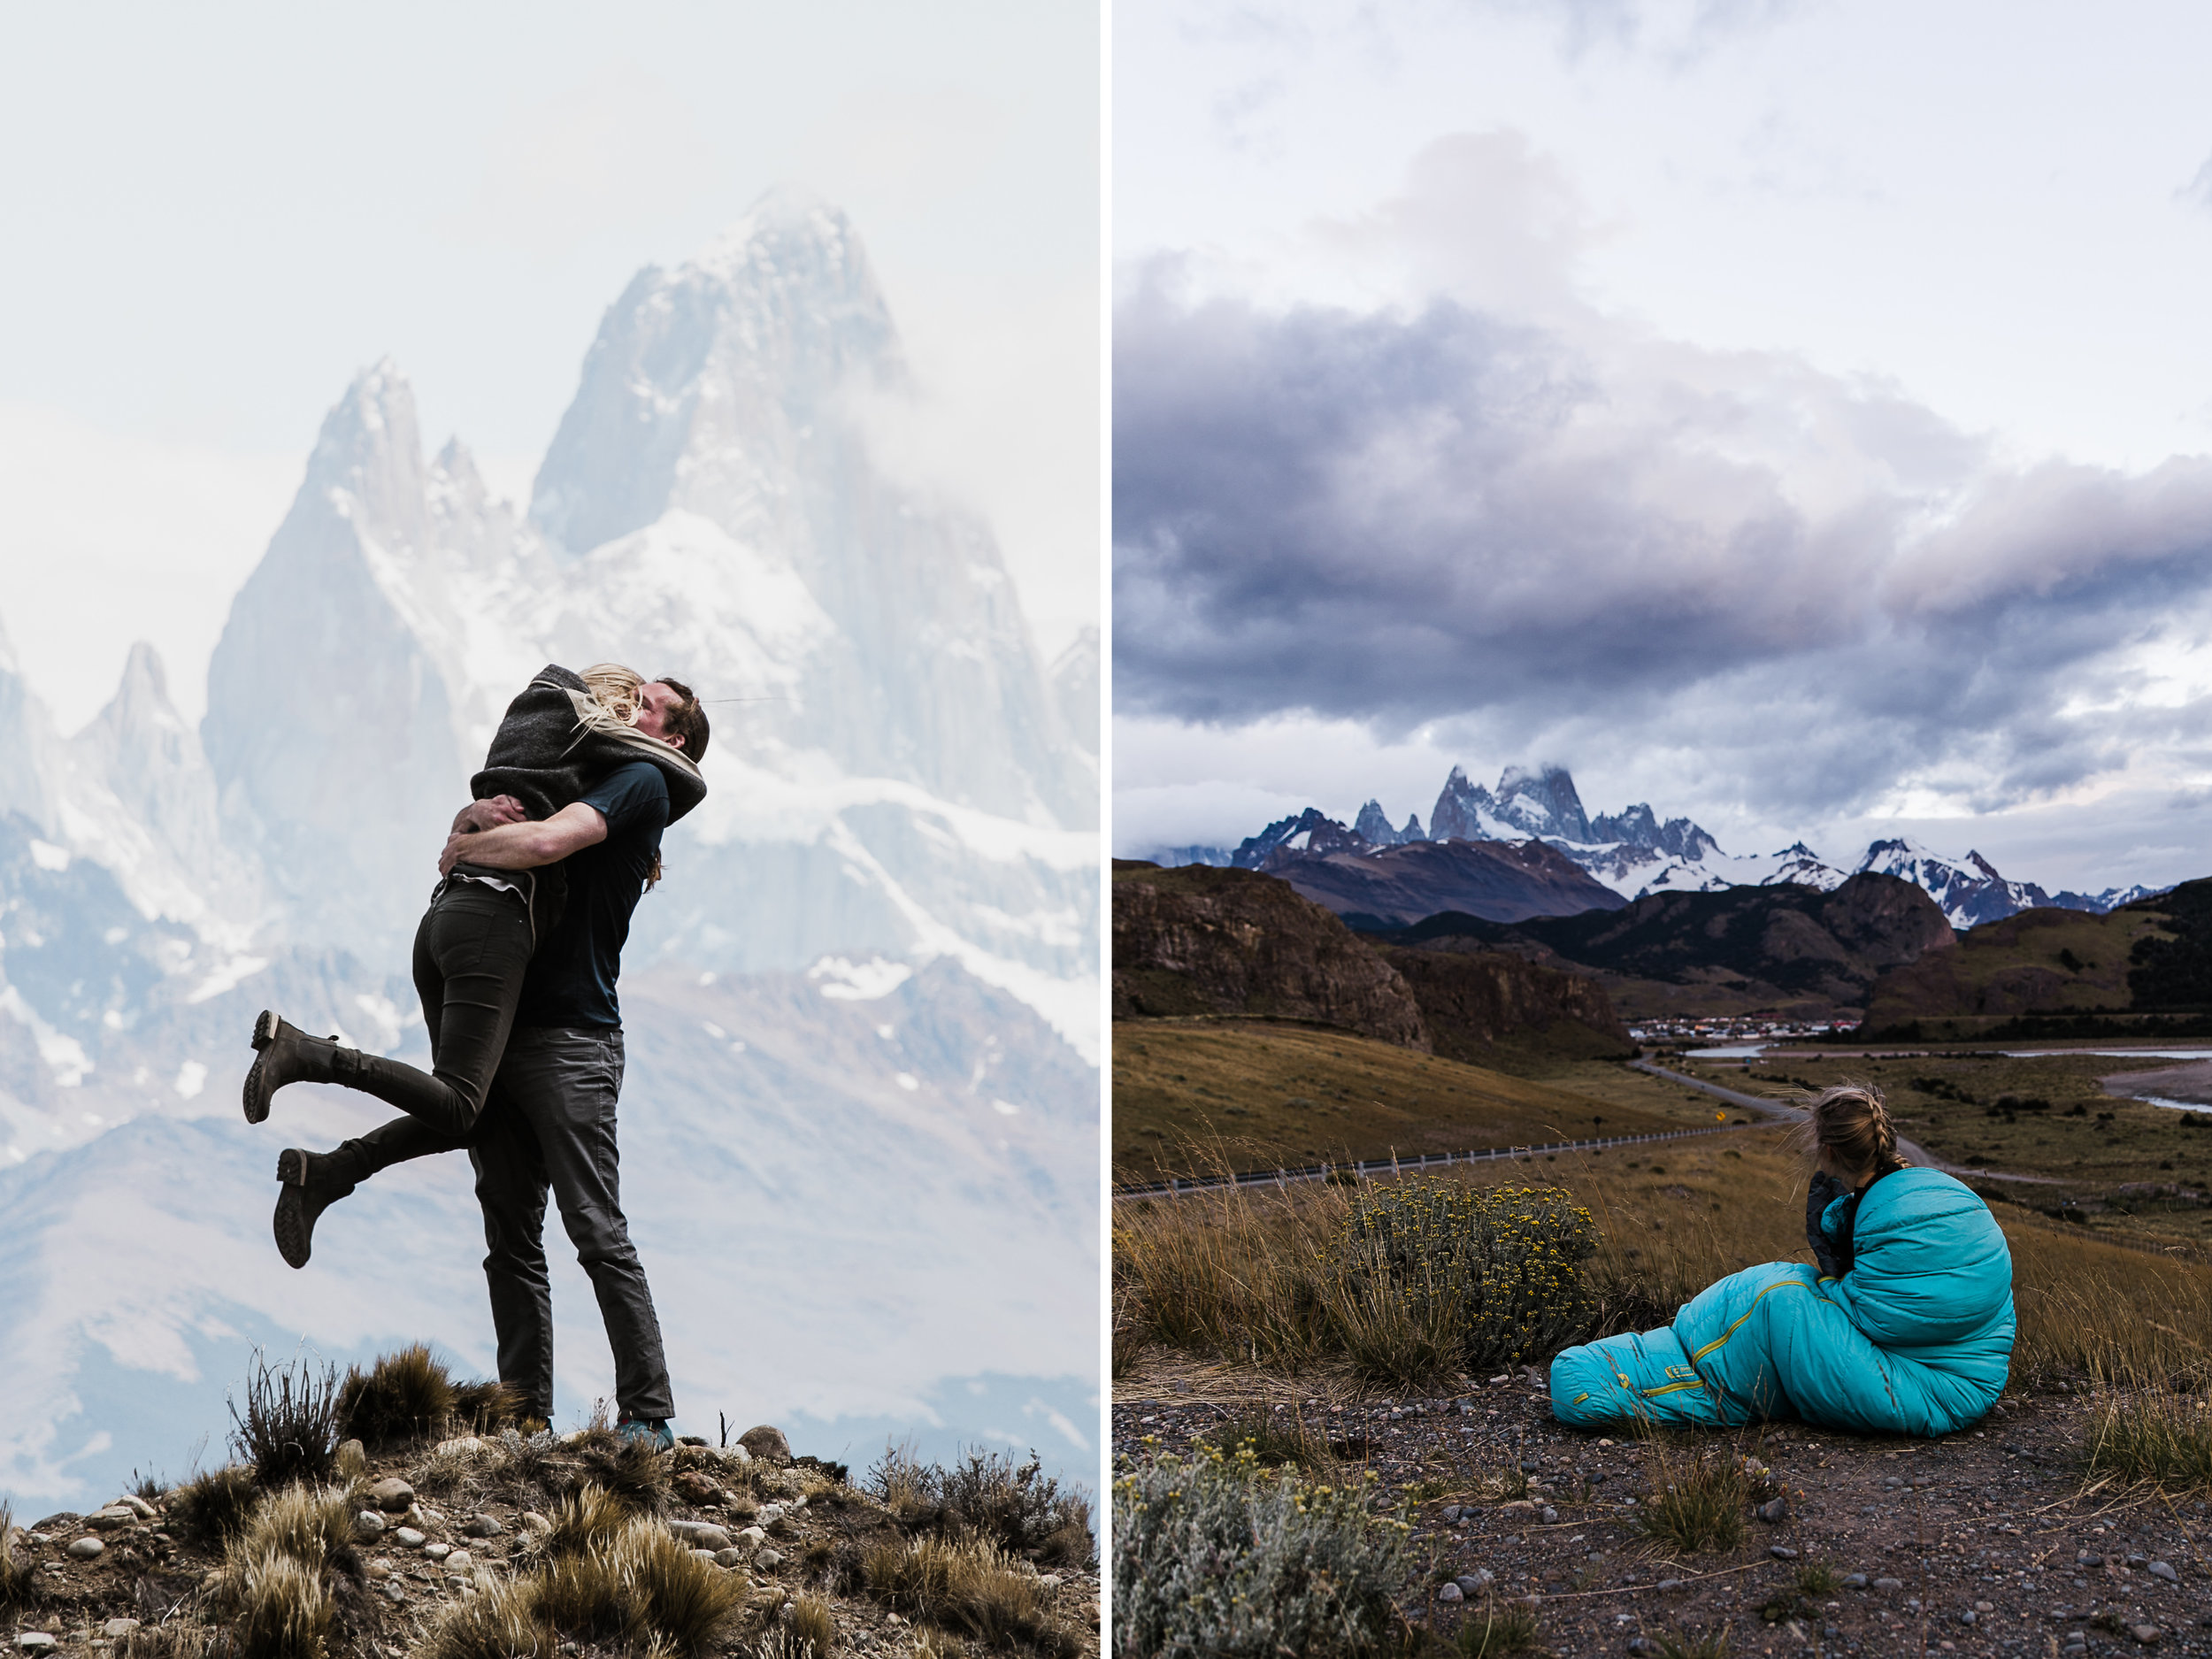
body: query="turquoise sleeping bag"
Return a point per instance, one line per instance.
(1915, 1339)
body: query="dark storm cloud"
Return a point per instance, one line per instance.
(1403, 519)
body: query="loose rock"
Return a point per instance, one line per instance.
(392, 1495)
(86, 1549)
(437, 1552)
(1889, 1584)
(109, 1519)
(369, 1523)
(1451, 1593)
(768, 1560)
(408, 1538)
(1781, 1552)
(701, 1534)
(2148, 1634)
(2164, 1570)
(1774, 1511)
(116, 1628)
(730, 1557)
(459, 1561)
(35, 1641)
(136, 1505)
(482, 1526)
(766, 1442)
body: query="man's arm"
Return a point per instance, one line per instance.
(489, 814)
(526, 845)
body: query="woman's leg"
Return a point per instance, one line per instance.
(469, 960)
(470, 950)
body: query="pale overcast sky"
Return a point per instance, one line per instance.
(1792, 414)
(216, 214)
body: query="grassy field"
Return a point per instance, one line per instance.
(1255, 1094)
(1226, 1275)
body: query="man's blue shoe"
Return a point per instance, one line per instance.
(653, 1431)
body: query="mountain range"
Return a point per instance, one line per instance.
(1632, 853)
(862, 1108)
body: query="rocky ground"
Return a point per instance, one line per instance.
(448, 1523)
(1988, 1541)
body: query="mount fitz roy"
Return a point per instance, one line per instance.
(1632, 852)
(860, 1113)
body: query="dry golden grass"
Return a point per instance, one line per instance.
(275, 1607)
(1296, 1095)
(1236, 1276)
(970, 1586)
(811, 1627)
(15, 1570)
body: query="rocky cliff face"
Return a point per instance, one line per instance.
(1475, 1003)
(1200, 941)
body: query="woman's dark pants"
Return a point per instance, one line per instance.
(470, 950)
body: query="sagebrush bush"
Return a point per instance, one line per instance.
(1017, 1507)
(289, 1428)
(1216, 1555)
(1429, 1275)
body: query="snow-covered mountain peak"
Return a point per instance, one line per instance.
(367, 463)
(709, 385)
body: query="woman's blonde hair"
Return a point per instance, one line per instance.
(615, 688)
(1850, 1121)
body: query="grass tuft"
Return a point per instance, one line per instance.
(1817, 1580)
(681, 1599)
(588, 1518)
(629, 1472)
(213, 1507)
(1497, 1631)
(275, 1607)
(501, 1623)
(1276, 1439)
(1680, 1644)
(812, 1628)
(403, 1398)
(488, 1408)
(969, 1587)
(17, 1575)
(2140, 1433)
(289, 1430)
(1697, 1500)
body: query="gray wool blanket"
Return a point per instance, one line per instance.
(556, 742)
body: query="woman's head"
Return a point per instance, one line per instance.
(1848, 1130)
(662, 707)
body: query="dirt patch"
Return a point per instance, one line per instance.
(1982, 1542)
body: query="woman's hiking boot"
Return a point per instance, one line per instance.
(285, 1054)
(313, 1181)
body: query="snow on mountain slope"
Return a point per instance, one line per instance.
(861, 1116)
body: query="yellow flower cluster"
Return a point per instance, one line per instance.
(1501, 1266)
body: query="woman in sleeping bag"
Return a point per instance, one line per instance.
(564, 736)
(1904, 1327)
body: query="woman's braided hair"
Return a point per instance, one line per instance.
(1852, 1122)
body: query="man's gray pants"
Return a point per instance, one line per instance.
(551, 1123)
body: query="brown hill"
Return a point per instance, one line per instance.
(1198, 940)
(1782, 946)
(1501, 881)
(2060, 972)
(1486, 1007)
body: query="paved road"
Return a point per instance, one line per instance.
(1788, 1113)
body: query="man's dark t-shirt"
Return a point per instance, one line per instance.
(571, 978)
